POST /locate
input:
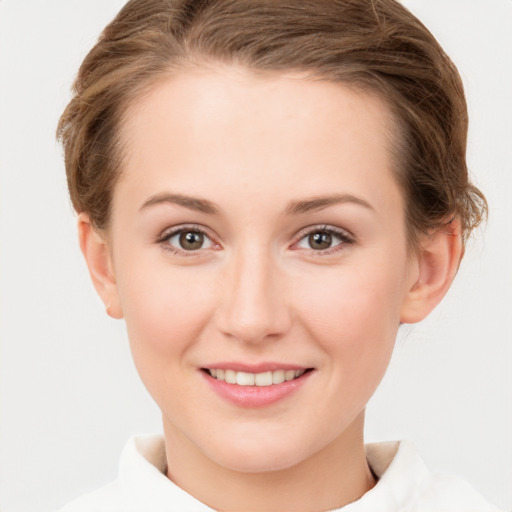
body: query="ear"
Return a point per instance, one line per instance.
(436, 264)
(98, 258)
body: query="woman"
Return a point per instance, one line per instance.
(266, 191)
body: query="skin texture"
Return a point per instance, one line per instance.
(256, 291)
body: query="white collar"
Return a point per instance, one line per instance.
(405, 483)
(143, 470)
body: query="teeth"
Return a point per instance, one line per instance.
(245, 379)
(278, 377)
(230, 376)
(255, 379)
(289, 375)
(263, 379)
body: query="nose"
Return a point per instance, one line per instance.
(253, 305)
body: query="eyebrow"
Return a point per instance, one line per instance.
(192, 203)
(318, 203)
(293, 208)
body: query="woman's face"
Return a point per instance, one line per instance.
(258, 234)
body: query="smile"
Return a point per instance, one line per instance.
(262, 387)
(255, 379)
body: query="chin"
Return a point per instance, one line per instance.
(259, 461)
(254, 455)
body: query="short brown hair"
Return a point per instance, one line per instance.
(377, 46)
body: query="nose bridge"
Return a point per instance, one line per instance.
(253, 305)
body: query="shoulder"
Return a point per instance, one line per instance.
(108, 498)
(117, 495)
(142, 484)
(450, 493)
(406, 483)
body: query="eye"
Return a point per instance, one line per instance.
(323, 239)
(186, 239)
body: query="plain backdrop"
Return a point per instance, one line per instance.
(70, 396)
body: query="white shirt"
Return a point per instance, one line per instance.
(405, 485)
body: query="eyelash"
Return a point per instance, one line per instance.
(164, 238)
(344, 237)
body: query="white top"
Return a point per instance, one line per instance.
(405, 485)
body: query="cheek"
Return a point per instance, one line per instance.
(354, 316)
(165, 313)
(353, 301)
(165, 309)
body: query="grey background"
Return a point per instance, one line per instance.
(69, 395)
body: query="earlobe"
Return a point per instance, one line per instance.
(97, 256)
(437, 262)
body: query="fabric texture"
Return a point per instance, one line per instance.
(405, 485)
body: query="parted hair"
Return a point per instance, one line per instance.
(376, 46)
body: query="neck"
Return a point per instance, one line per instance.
(333, 477)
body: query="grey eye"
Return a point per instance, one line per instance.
(323, 239)
(320, 240)
(189, 240)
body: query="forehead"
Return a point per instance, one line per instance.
(229, 125)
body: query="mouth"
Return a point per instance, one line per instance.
(262, 379)
(265, 385)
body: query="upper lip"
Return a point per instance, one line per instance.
(254, 368)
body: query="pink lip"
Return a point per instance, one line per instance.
(255, 396)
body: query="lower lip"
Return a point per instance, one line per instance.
(255, 396)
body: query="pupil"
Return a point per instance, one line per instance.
(191, 240)
(320, 240)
